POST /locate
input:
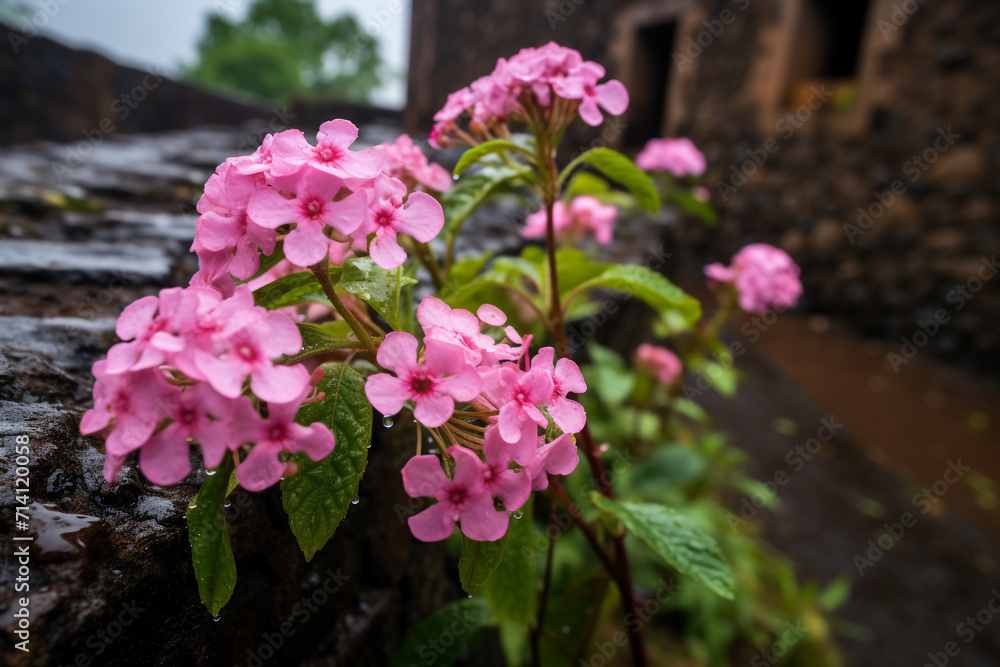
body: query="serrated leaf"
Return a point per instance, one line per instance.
(478, 561)
(211, 553)
(467, 194)
(510, 590)
(681, 542)
(457, 622)
(290, 290)
(317, 497)
(646, 284)
(621, 170)
(477, 153)
(316, 340)
(376, 286)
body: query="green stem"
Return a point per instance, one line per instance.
(427, 258)
(536, 631)
(322, 273)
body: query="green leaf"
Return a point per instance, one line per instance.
(291, 290)
(462, 273)
(467, 194)
(677, 539)
(316, 339)
(648, 285)
(510, 590)
(377, 287)
(621, 170)
(688, 203)
(478, 561)
(211, 554)
(317, 497)
(585, 183)
(477, 153)
(457, 623)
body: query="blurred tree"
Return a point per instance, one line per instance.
(285, 48)
(11, 10)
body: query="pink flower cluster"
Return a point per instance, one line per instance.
(527, 86)
(318, 200)
(679, 157)
(763, 276)
(180, 375)
(461, 363)
(404, 160)
(585, 214)
(660, 362)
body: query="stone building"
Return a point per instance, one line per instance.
(861, 136)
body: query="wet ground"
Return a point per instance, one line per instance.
(78, 245)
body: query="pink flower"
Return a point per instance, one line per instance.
(435, 385)
(458, 327)
(311, 208)
(331, 154)
(273, 435)
(566, 378)
(250, 338)
(260, 161)
(610, 96)
(512, 488)
(224, 227)
(131, 405)
(198, 413)
(517, 394)
(659, 361)
(585, 214)
(679, 157)
(464, 498)
(405, 161)
(764, 276)
(420, 217)
(559, 457)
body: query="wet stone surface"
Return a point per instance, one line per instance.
(111, 580)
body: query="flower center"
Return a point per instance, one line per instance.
(421, 385)
(329, 153)
(458, 497)
(385, 217)
(276, 433)
(187, 416)
(246, 352)
(314, 208)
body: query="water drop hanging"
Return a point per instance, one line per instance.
(356, 500)
(210, 472)
(387, 421)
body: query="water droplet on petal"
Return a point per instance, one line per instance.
(210, 472)
(518, 514)
(387, 421)
(455, 178)
(356, 500)
(217, 618)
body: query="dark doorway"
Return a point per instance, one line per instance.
(651, 66)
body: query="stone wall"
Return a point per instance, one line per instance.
(51, 91)
(929, 225)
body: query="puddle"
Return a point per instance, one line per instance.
(59, 534)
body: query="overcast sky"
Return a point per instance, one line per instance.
(163, 34)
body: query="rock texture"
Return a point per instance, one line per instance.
(111, 580)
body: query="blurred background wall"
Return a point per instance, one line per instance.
(860, 136)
